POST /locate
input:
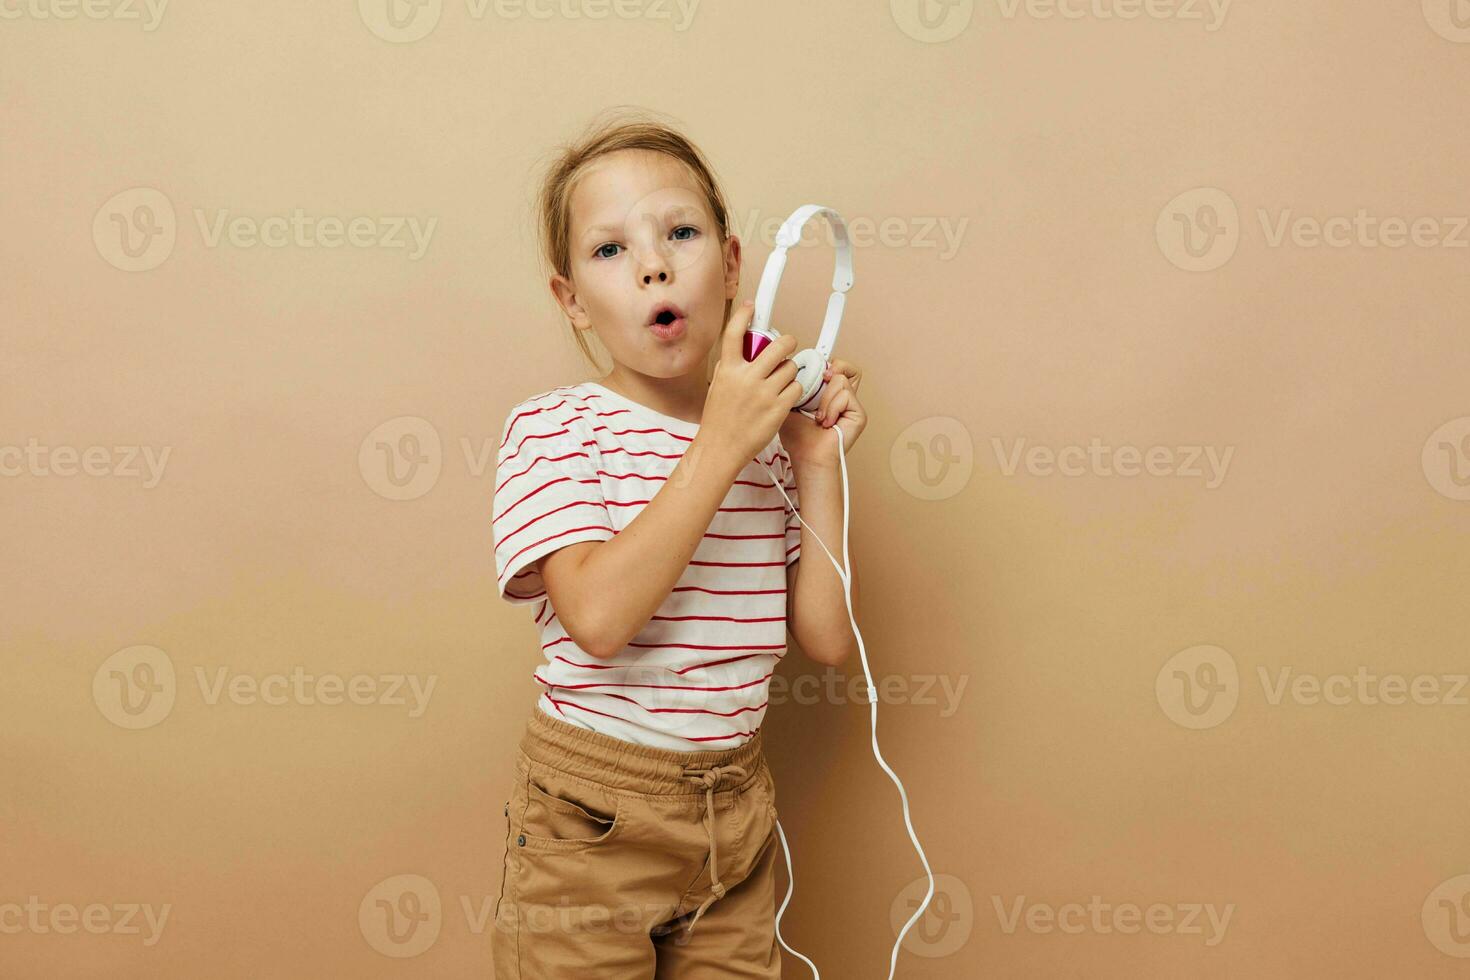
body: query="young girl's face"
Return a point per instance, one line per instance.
(643, 240)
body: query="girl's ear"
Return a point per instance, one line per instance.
(566, 298)
(732, 267)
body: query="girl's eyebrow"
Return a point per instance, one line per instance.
(599, 229)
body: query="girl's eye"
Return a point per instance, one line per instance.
(598, 252)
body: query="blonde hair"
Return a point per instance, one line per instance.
(622, 130)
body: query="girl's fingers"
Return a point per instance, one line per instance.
(837, 367)
(833, 387)
(839, 404)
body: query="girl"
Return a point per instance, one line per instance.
(634, 516)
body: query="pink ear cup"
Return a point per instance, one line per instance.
(755, 342)
(809, 367)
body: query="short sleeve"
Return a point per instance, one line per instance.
(547, 495)
(793, 525)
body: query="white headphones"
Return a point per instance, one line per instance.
(812, 362)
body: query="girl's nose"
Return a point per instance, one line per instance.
(662, 277)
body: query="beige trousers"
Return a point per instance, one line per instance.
(629, 862)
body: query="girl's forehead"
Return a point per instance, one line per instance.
(629, 184)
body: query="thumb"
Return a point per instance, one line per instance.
(733, 342)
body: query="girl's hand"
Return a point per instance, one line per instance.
(748, 401)
(808, 441)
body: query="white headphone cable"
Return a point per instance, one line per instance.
(846, 575)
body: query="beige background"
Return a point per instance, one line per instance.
(1064, 768)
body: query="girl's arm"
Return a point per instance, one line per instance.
(604, 592)
(817, 610)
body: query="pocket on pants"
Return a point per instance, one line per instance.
(504, 861)
(769, 782)
(563, 813)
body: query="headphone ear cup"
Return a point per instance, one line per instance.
(809, 369)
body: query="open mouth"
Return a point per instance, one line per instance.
(665, 314)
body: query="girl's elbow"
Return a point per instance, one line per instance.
(831, 655)
(592, 637)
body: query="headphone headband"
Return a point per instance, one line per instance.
(787, 236)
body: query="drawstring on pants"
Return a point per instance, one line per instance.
(710, 777)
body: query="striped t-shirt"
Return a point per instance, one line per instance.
(579, 463)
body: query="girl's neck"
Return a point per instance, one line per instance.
(680, 398)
